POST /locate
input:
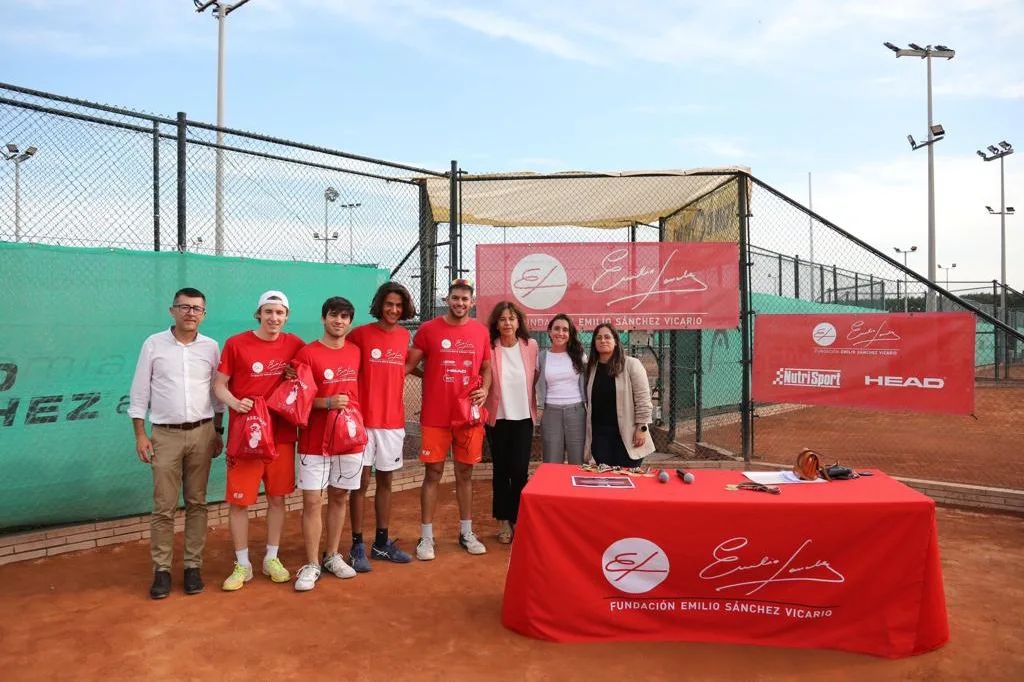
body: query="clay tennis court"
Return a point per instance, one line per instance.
(980, 450)
(88, 616)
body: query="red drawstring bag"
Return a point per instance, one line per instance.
(293, 398)
(251, 436)
(344, 432)
(464, 412)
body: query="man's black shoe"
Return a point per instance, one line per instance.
(193, 581)
(161, 585)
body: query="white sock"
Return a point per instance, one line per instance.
(242, 557)
(466, 526)
(427, 531)
(271, 553)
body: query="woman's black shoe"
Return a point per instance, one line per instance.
(161, 585)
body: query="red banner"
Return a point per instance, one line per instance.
(633, 286)
(920, 362)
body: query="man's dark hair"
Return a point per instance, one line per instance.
(377, 306)
(338, 305)
(190, 292)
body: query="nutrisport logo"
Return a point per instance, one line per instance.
(634, 565)
(539, 281)
(807, 378)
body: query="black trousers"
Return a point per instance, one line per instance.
(510, 442)
(607, 447)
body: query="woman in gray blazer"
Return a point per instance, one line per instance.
(560, 391)
(618, 403)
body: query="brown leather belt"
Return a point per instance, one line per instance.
(188, 426)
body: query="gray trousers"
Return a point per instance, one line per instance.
(563, 431)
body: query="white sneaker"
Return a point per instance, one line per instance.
(307, 577)
(336, 565)
(470, 543)
(425, 549)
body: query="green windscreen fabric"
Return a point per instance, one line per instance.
(72, 322)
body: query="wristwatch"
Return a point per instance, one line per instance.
(642, 427)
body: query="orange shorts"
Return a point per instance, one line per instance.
(244, 477)
(466, 444)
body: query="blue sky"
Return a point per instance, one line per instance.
(782, 87)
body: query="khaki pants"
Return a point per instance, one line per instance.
(180, 457)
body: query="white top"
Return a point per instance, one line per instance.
(174, 381)
(563, 383)
(515, 398)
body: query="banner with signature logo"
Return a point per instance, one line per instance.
(919, 362)
(851, 565)
(633, 286)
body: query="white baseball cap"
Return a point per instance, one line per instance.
(273, 296)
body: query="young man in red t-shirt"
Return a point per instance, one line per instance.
(335, 366)
(454, 349)
(252, 365)
(383, 347)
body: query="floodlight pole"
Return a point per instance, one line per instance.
(906, 281)
(221, 11)
(350, 208)
(927, 53)
(810, 228)
(1001, 154)
(17, 157)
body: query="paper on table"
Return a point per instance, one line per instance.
(777, 477)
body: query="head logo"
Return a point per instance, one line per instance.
(375, 353)
(539, 281)
(257, 368)
(634, 565)
(446, 343)
(905, 382)
(824, 334)
(328, 374)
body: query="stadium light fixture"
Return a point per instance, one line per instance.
(947, 273)
(220, 12)
(935, 133)
(350, 207)
(1004, 210)
(906, 281)
(17, 157)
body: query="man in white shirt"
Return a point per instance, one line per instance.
(174, 383)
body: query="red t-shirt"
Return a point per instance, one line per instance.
(256, 368)
(382, 375)
(452, 355)
(335, 371)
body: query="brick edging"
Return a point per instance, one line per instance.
(38, 544)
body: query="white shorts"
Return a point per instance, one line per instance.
(384, 449)
(316, 472)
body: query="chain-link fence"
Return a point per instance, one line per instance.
(105, 176)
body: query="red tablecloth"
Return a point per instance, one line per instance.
(849, 565)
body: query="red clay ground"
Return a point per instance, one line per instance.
(958, 449)
(87, 616)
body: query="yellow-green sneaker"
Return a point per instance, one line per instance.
(276, 570)
(238, 578)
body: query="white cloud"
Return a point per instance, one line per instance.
(726, 148)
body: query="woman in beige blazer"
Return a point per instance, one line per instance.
(618, 403)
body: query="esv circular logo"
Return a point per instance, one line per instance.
(446, 343)
(257, 367)
(539, 281)
(375, 353)
(824, 334)
(328, 374)
(634, 565)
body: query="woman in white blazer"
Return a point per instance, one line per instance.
(618, 403)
